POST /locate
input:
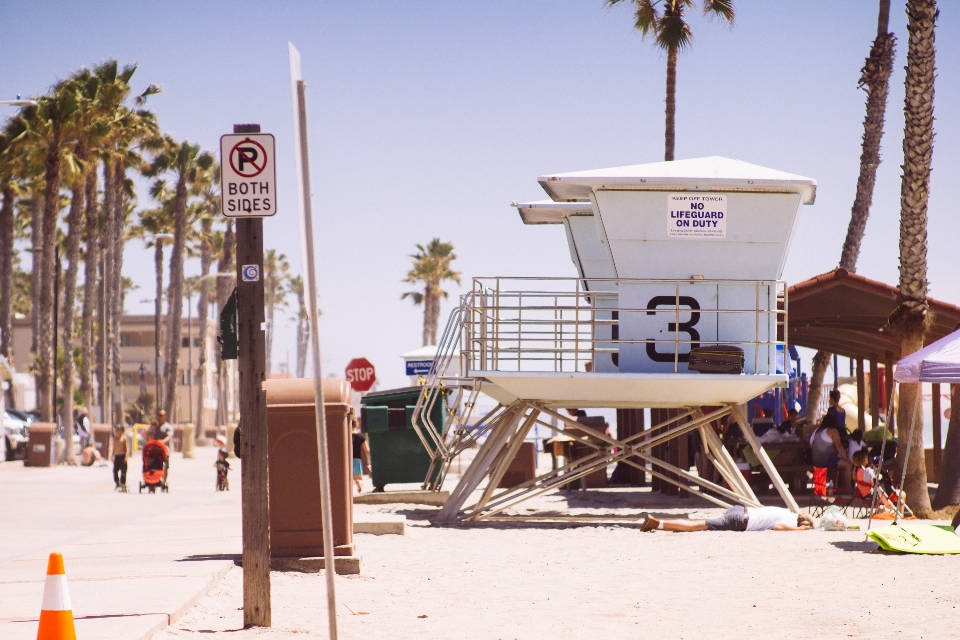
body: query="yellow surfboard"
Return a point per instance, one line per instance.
(917, 538)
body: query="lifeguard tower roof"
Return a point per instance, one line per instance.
(714, 173)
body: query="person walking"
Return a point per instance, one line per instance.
(83, 427)
(121, 453)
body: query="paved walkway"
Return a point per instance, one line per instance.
(134, 562)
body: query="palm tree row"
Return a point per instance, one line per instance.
(67, 170)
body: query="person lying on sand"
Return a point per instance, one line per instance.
(738, 518)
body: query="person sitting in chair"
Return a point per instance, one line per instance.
(828, 450)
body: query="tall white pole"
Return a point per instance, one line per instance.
(310, 287)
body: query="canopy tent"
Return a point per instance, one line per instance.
(938, 362)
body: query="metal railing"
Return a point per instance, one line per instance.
(561, 324)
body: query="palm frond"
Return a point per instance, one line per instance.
(722, 9)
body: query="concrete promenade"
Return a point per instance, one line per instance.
(134, 562)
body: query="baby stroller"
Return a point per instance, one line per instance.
(155, 458)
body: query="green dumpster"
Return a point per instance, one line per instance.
(396, 452)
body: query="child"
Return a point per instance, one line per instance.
(361, 457)
(223, 484)
(863, 473)
(120, 455)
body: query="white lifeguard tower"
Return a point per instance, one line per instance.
(671, 256)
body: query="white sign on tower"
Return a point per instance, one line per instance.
(248, 175)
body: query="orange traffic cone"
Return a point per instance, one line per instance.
(56, 614)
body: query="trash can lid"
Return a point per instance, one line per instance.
(300, 391)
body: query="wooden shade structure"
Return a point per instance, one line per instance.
(846, 314)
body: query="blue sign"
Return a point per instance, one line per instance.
(418, 367)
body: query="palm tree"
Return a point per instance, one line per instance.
(187, 163)
(156, 226)
(875, 80)
(431, 268)
(276, 274)
(909, 321)
(303, 326)
(208, 209)
(225, 263)
(8, 193)
(49, 127)
(128, 132)
(671, 32)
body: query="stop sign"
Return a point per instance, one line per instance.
(361, 374)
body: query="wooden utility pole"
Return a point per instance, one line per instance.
(253, 419)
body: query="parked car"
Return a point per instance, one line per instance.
(16, 433)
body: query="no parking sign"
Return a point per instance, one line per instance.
(248, 175)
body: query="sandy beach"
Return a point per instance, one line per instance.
(553, 580)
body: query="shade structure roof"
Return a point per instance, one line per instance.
(714, 173)
(846, 314)
(937, 362)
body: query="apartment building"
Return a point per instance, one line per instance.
(138, 370)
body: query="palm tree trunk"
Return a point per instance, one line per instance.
(224, 288)
(6, 266)
(671, 103)
(875, 78)
(948, 492)
(175, 294)
(116, 293)
(909, 321)
(36, 272)
(74, 234)
(435, 319)
(303, 335)
(815, 392)
(46, 350)
(105, 362)
(271, 282)
(158, 314)
(426, 315)
(91, 301)
(203, 310)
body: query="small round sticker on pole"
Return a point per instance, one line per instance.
(250, 272)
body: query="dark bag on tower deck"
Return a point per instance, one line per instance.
(719, 358)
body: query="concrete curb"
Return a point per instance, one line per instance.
(191, 601)
(432, 498)
(343, 565)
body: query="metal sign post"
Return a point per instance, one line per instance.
(239, 152)
(310, 287)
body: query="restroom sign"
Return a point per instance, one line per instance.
(248, 175)
(692, 215)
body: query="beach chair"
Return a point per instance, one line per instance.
(824, 495)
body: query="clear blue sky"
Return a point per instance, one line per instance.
(428, 118)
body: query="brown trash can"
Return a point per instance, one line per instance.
(101, 437)
(294, 476)
(523, 467)
(41, 447)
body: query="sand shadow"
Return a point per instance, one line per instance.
(233, 557)
(863, 546)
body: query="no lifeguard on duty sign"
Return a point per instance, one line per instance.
(248, 175)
